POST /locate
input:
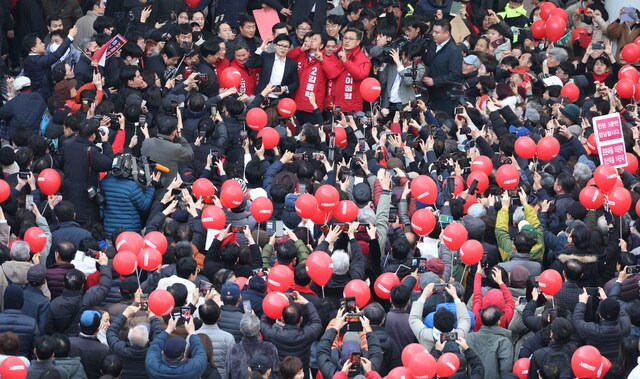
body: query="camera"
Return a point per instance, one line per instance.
(202, 77)
(137, 169)
(95, 194)
(92, 253)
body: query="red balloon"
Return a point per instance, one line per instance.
(322, 217)
(370, 89)
(327, 197)
(570, 90)
(213, 218)
(346, 211)
(638, 207)
(454, 235)
(472, 199)
(13, 368)
(559, 12)
(385, 283)
(203, 188)
(630, 53)
(507, 177)
(161, 302)
(545, 10)
(555, 27)
(319, 267)
(482, 163)
(537, 29)
(424, 189)
(591, 197)
(306, 205)
(262, 209)
(636, 95)
(458, 185)
(192, 3)
(125, 263)
(5, 191)
(525, 147)
(241, 281)
(605, 177)
(637, 40)
(447, 365)
(360, 290)
(625, 88)
(423, 365)
(270, 137)
(256, 118)
(550, 282)
(410, 350)
(129, 241)
(481, 177)
(340, 135)
(471, 252)
(231, 194)
(274, 304)
(149, 259)
(286, 107)
(280, 278)
(548, 148)
(156, 240)
(230, 77)
(585, 361)
(521, 368)
(632, 164)
(49, 181)
(619, 200)
(422, 222)
(605, 365)
(36, 238)
(628, 72)
(591, 143)
(399, 372)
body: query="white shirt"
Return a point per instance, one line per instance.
(394, 94)
(440, 46)
(277, 72)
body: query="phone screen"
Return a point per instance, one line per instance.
(185, 313)
(29, 202)
(271, 227)
(246, 305)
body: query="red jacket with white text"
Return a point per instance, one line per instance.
(249, 78)
(347, 77)
(312, 79)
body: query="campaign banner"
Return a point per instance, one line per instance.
(609, 140)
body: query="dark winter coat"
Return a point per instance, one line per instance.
(38, 68)
(160, 368)
(91, 352)
(65, 231)
(229, 321)
(133, 358)
(36, 305)
(239, 356)
(24, 111)
(13, 320)
(126, 203)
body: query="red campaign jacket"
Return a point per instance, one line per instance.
(312, 79)
(221, 65)
(346, 78)
(249, 78)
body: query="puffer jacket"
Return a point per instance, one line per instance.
(133, 358)
(125, 201)
(13, 320)
(391, 353)
(240, 355)
(329, 362)
(55, 277)
(630, 287)
(229, 321)
(222, 342)
(36, 305)
(73, 366)
(24, 111)
(493, 345)
(159, 368)
(190, 120)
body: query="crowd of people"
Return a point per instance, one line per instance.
(349, 190)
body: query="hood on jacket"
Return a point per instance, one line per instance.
(451, 307)
(493, 297)
(16, 271)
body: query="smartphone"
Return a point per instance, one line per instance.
(23, 175)
(302, 188)
(633, 269)
(420, 264)
(271, 227)
(142, 119)
(597, 46)
(214, 111)
(536, 279)
(204, 287)
(279, 228)
(237, 229)
(445, 219)
(451, 336)
(592, 291)
(393, 214)
(243, 135)
(631, 108)
(361, 144)
(451, 185)
(439, 287)
(473, 187)
(202, 133)
(144, 301)
(349, 304)
(28, 202)
(459, 110)
(522, 300)
(246, 305)
(185, 313)
(354, 358)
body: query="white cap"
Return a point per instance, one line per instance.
(20, 82)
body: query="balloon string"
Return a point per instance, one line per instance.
(553, 303)
(620, 227)
(323, 291)
(138, 277)
(46, 204)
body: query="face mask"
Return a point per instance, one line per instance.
(135, 62)
(53, 47)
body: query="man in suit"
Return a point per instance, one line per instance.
(397, 80)
(277, 69)
(445, 68)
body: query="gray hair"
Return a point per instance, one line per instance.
(20, 251)
(559, 53)
(250, 325)
(340, 260)
(582, 172)
(85, 42)
(138, 336)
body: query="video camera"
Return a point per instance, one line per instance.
(137, 169)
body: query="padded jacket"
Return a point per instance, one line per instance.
(159, 368)
(229, 321)
(133, 358)
(13, 320)
(125, 201)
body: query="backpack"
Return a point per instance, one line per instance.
(561, 360)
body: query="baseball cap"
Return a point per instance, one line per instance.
(21, 82)
(230, 291)
(174, 347)
(36, 274)
(90, 318)
(472, 60)
(259, 362)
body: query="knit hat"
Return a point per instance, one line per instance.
(174, 347)
(436, 266)
(367, 216)
(13, 297)
(350, 344)
(230, 291)
(609, 309)
(518, 215)
(477, 210)
(362, 194)
(518, 277)
(257, 283)
(444, 320)
(7, 155)
(36, 274)
(427, 278)
(475, 226)
(572, 111)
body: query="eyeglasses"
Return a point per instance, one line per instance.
(282, 46)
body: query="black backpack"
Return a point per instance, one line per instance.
(561, 360)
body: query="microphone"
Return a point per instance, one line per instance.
(161, 168)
